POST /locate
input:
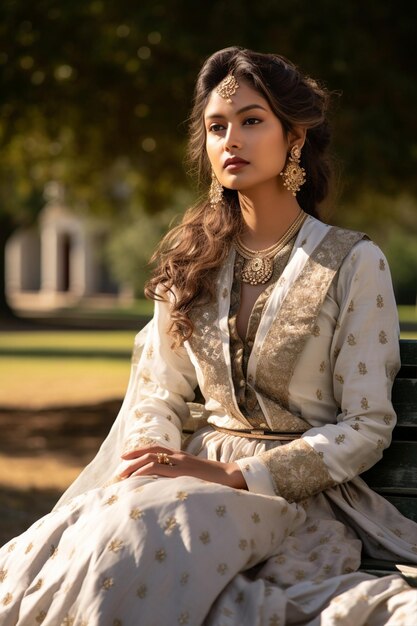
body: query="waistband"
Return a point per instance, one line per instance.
(258, 433)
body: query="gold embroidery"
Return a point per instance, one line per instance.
(240, 598)
(53, 551)
(355, 426)
(115, 545)
(362, 369)
(221, 511)
(7, 599)
(170, 524)
(255, 518)
(300, 574)
(380, 444)
(38, 584)
(280, 559)
(111, 500)
(142, 591)
(167, 437)
(351, 307)
(336, 352)
(351, 340)
(243, 544)
(319, 394)
(274, 620)
(339, 379)
(381, 264)
(383, 337)
(3, 574)
(225, 292)
(205, 537)
(40, 617)
(107, 583)
(181, 495)
(68, 621)
(184, 578)
(297, 470)
(388, 419)
(136, 513)
(313, 557)
(29, 548)
(222, 568)
(312, 529)
(160, 555)
(149, 353)
(365, 404)
(322, 367)
(379, 301)
(11, 547)
(340, 439)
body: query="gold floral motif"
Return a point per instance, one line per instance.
(136, 513)
(380, 444)
(379, 301)
(184, 618)
(322, 367)
(297, 470)
(299, 574)
(29, 548)
(170, 524)
(243, 544)
(351, 307)
(312, 528)
(40, 617)
(323, 540)
(167, 437)
(274, 620)
(319, 394)
(115, 545)
(397, 532)
(336, 352)
(240, 597)
(355, 426)
(339, 379)
(388, 419)
(336, 550)
(68, 621)
(184, 578)
(181, 495)
(222, 568)
(205, 537)
(225, 292)
(383, 337)
(313, 557)
(280, 559)
(381, 264)
(145, 376)
(7, 599)
(11, 547)
(362, 368)
(221, 510)
(160, 555)
(227, 612)
(142, 591)
(351, 340)
(107, 583)
(149, 353)
(111, 500)
(339, 439)
(256, 518)
(3, 574)
(38, 584)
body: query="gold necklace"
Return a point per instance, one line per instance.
(258, 265)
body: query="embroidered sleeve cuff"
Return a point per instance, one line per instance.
(258, 478)
(297, 470)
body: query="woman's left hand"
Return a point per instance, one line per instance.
(160, 461)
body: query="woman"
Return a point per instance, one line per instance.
(289, 329)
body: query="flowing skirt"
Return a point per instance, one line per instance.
(160, 552)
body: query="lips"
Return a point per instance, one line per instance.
(234, 162)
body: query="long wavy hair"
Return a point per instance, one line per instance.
(190, 255)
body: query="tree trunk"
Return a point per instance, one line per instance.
(7, 226)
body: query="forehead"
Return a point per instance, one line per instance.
(244, 96)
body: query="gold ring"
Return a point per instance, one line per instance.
(163, 459)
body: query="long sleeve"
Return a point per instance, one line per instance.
(165, 383)
(363, 363)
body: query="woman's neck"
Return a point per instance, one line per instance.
(266, 216)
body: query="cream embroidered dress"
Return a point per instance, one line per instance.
(317, 364)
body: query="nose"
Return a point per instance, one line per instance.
(232, 138)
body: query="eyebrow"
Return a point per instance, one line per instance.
(248, 107)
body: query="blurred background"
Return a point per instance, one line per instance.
(94, 98)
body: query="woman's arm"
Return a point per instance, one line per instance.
(364, 361)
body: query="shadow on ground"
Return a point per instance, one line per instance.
(69, 435)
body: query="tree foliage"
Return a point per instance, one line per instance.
(95, 94)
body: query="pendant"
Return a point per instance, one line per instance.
(257, 271)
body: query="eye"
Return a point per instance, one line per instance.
(250, 121)
(215, 128)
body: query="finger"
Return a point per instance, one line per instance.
(150, 458)
(134, 454)
(156, 469)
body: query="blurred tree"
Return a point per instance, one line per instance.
(88, 84)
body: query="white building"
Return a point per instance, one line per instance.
(59, 262)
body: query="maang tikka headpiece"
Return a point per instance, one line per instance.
(227, 87)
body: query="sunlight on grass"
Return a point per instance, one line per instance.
(68, 339)
(27, 382)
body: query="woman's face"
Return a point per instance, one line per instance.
(245, 141)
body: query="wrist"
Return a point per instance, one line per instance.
(236, 477)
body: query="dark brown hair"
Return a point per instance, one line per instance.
(189, 256)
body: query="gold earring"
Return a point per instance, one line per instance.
(294, 175)
(215, 192)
